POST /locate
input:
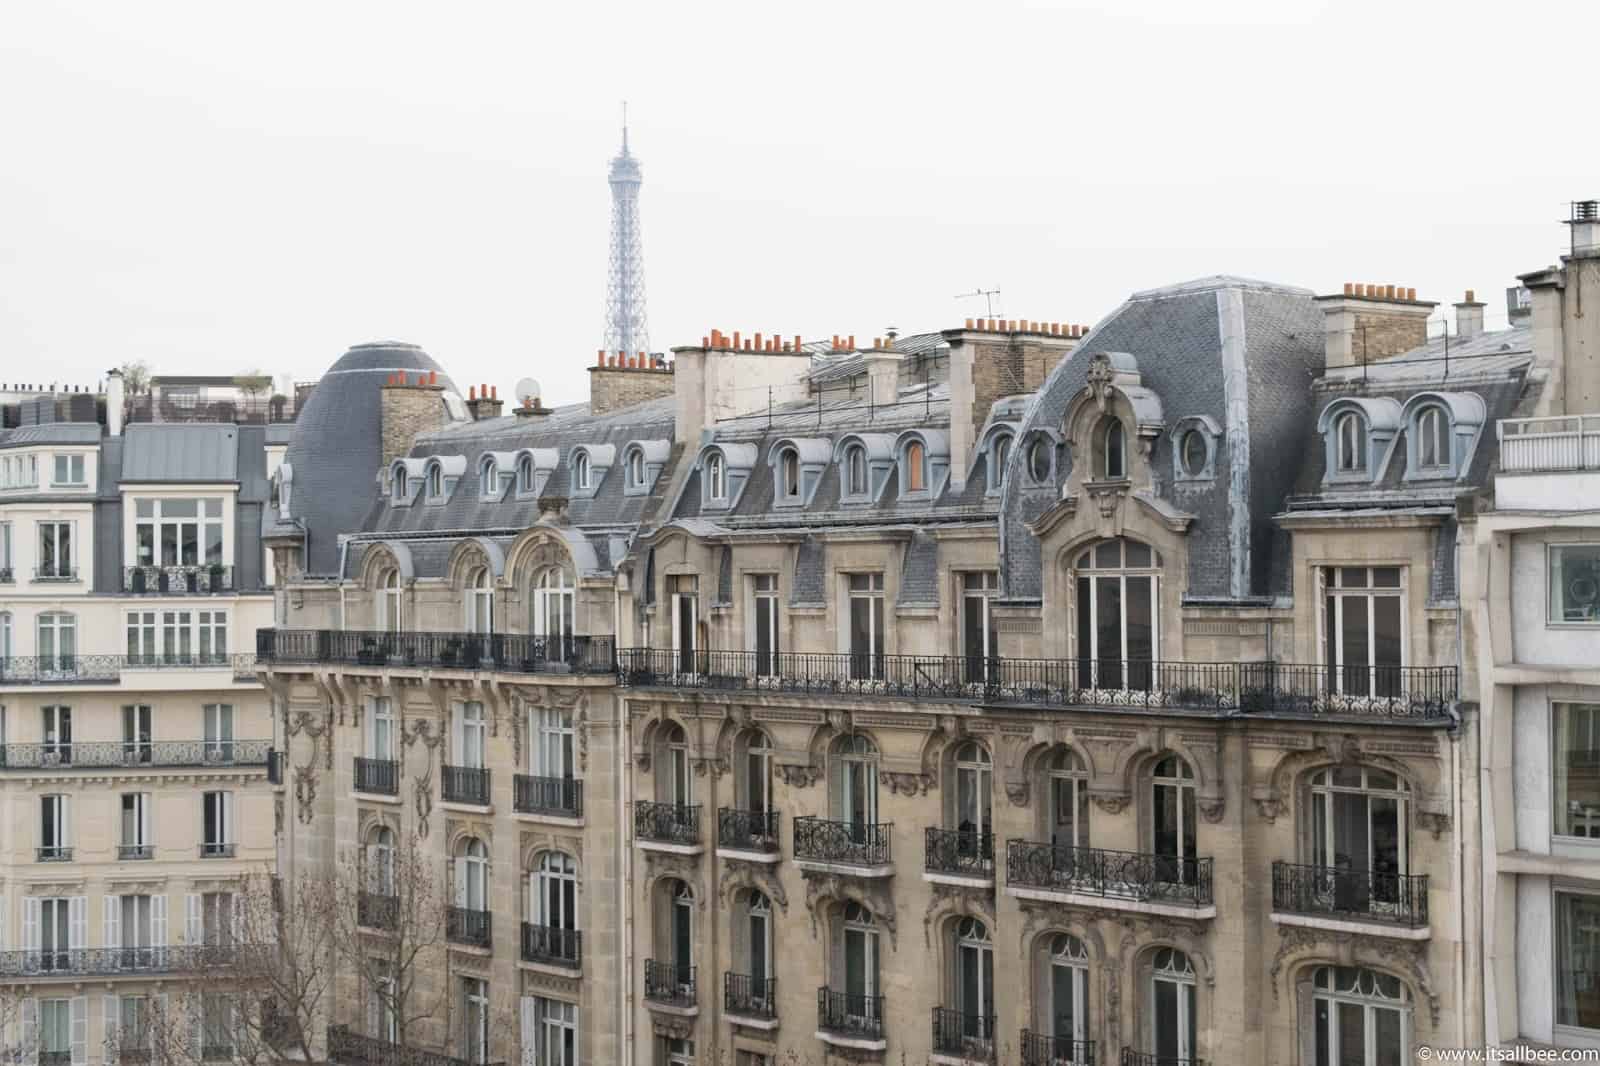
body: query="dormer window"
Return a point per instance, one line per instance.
(1433, 438)
(789, 467)
(397, 483)
(1113, 446)
(489, 479)
(636, 467)
(525, 474)
(856, 465)
(1002, 453)
(716, 477)
(580, 470)
(1039, 460)
(435, 481)
(1350, 440)
(916, 467)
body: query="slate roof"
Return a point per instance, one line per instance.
(51, 433)
(181, 452)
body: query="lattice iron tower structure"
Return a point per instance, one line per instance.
(627, 329)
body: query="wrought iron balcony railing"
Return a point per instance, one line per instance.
(216, 1052)
(54, 853)
(88, 755)
(346, 1048)
(750, 997)
(1042, 1049)
(1132, 875)
(177, 580)
(378, 910)
(464, 784)
(377, 777)
(848, 1014)
(747, 830)
(98, 962)
(48, 1057)
(970, 1036)
(666, 823)
(133, 852)
(102, 669)
(1364, 894)
(561, 796)
(959, 851)
(665, 982)
(1223, 688)
(464, 925)
(55, 573)
(512, 653)
(1131, 1057)
(546, 943)
(6, 575)
(851, 843)
(218, 849)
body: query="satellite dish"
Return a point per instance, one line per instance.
(528, 393)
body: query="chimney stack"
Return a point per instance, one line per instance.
(1367, 322)
(1469, 317)
(1585, 223)
(115, 398)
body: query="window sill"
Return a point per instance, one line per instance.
(1111, 903)
(979, 881)
(752, 1021)
(376, 797)
(1353, 926)
(856, 1043)
(667, 848)
(766, 858)
(466, 808)
(844, 869)
(540, 818)
(672, 1008)
(552, 969)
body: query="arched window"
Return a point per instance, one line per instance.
(480, 601)
(435, 481)
(1066, 807)
(1363, 1018)
(488, 478)
(1117, 636)
(1358, 836)
(789, 463)
(1433, 438)
(57, 642)
(1350, 442)
(856, 785)
(553, 903)
(856, 465)
(554, 606)
(580, 470)
(680, 938)
(854, 994)
(973, 987)
(1062, 1009)
(472, 875)
(525, 474)
(999, 455)
(754, 771)
(1172, 821)
(916, 467)
(974, 782)
(636, 467)
(752, 991)
(1171, 1007)
(380, 862)
(716, 478)
(1113, 448)
(550, 754)
(1039, 459)
(675, 780)
(1193, 450)
(389, 601)
(397, 482)
(5, 634)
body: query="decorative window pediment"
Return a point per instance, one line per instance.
(1441, 430)
(724, 472)
(797, 466)
(865, 461)
(1115, 421)
(1357, 434)
(642, 462)
(588, 465)
(924, 458)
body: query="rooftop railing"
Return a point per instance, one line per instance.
(513, 653)
(1557, 442)
(1221, 688)
(134, 754)
(207, 580)
(103, 669)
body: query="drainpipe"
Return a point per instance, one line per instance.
(1458, 860)
(624, 838)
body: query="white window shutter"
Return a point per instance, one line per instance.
(111, 930)
(369, 729)
(30, 1031)
(78, 1011)
(227, 818)
(66, 820)
(145, 803)
(158, 920)
(78, 922)
(30, 923)
(530, 1030)
(458, 734)
(193, 927)
(110, 1019)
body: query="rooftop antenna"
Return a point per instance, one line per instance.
(988, 297)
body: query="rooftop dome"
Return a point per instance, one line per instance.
(337, 445)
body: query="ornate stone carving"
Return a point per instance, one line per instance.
(1436, 822)
(685, 868)
(1097, 380)
(737, 874)
(946, 901)
(1407, 957)
(641, 759)
(716, 764)
(871, 893)
(1211, 807)
(1017, 792)
(583, 739)
(671, 1026)
(305, 793)
(799, 775)
(1110, 802)
(277, 815)
(904, 784)
(565, 987)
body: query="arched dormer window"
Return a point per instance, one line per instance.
(1041, 459)
(856, 470)
(472, 875)
(1433, 438)
(716, 477)
(636, 468)
(1350, 443)
(389, 601)
(488, 478)
(999, 454)
(397, 482)
(580, 470)
(1113, 449)
(525, 474)
(789, 474)
(480, 601)
(916, 467)
(435, 481)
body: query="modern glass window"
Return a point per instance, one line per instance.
(1350, 443)
(475, 1020)
(1433, 438)
(132, 1025)
(980, 639)
(472, 875)
(1577, 952)
(5, 551)
(1575, 770)
(554, 605)
(471, 734)
(680, 1051)
(684, 589)
(916, 466)
(974, 789)
(681, 934)
(554, 891)
(1172, 818)
(1575, 583)
(855, 458)
(1362, 630)
(866, 625)
(764, 611)
(135, 820)
(216, 1025)
(218, 732)
(177, 636)
(480, 601)
(1113, 448)
(55, 550)
(580, 470)
(860, 963)
(1039, 459)
(69, 471)
(758, 943)
(716, 477)
(55, 826)
(211, 635)
(1358, 824)
(389, 593)
(397, 483)
(1067, 801)
(1066, 1011)
(56, 732)
(380, 861)
(383, 1021)
(974, 978)
(217, 821)
(55, 1029)
(856, 782)
(488, 479)
(1117, 587)
(178, 531)
(58, 932)
(789, 474)
(138, 733)
(1362, 1017)
(135, 921)
(554, 1037)
(1172, 1006)
(755, 783)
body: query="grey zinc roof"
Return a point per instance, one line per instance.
(51, 433)
(919, 575)
(181, 452)
(1445, 360)
(337, 446)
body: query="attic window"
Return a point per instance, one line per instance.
(1193, 452)
(525, 474)
(580, 470)
(716, 479)
(636, 467)
(790, 466)
(1112, 444)
(1350, 438)
(1433, 438)
(488, 479)
(916, 467)
(856, 464)
(435, 481)
(397, 483)
(999, 453)
(1039, 460)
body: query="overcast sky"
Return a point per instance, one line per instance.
(214, 187)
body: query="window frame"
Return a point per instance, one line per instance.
(1552, 569)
